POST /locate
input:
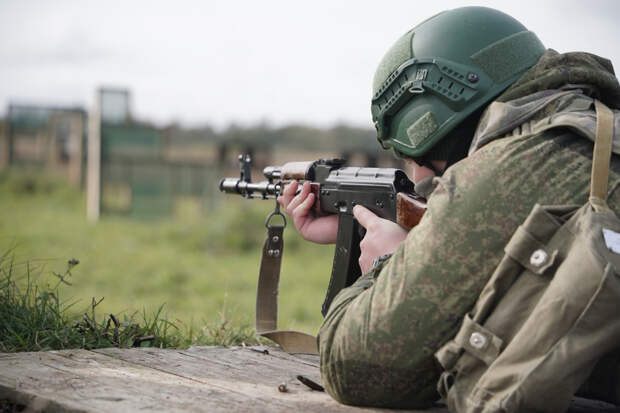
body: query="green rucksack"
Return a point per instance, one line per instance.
(549, 312)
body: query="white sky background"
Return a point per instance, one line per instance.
(218, 62)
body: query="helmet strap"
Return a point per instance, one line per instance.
(427, 163)
(454, 146)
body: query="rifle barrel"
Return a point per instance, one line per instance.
(264, 189)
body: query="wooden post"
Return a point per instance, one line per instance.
(93, 171)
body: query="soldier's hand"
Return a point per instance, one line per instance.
(382, 236)
(322, 230)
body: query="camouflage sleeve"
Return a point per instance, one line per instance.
(378, 339)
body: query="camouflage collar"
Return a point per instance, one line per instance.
(557, 71)
(558, 91)
(540, 112)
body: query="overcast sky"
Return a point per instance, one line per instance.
(218, 62)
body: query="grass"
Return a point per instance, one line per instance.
(185, 280)
(35, 319)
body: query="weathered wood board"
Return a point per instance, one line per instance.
(199, 379)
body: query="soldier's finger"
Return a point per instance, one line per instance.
(294, 203)
(364, 216)
(302, 209)
(290, 189)
(288, 193)
(299, 198)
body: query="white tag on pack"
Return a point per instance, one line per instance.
(612, 240)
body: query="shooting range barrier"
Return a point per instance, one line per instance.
(46, 137)
(130, 172)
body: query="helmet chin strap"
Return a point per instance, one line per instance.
(425, 162)
(454, 146)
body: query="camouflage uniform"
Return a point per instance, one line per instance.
(379, 336)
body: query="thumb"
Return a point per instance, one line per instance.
(364, 216)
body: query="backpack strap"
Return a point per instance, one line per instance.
(601, 156)
(267, 294)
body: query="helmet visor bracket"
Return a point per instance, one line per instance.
(455, 84)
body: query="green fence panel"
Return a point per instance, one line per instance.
(151, 194)
(130, 141)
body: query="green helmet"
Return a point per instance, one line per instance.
(444, 69)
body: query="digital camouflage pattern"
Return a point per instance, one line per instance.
(379, 336)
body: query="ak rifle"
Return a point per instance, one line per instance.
(387, 192)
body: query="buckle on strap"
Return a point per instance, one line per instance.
(475, 340)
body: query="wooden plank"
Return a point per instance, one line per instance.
(209, 379)
(243, 370)
(312, 360)
(81, 380)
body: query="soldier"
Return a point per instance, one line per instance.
(491, 123)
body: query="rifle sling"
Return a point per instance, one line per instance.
(267, 298)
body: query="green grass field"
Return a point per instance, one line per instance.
(202, 268)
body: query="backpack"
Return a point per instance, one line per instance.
(549, 312)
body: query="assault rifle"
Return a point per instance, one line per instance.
(385, 191)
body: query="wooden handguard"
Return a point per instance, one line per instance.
(409, 210)
(295, 170)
